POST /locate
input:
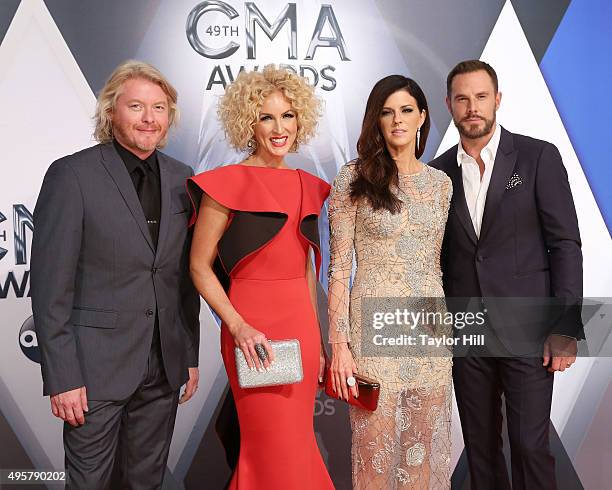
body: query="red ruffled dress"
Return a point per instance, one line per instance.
(264, 251)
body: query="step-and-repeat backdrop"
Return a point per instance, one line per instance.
(552, 58)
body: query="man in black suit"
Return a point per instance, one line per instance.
(116, 314)
(511, 237)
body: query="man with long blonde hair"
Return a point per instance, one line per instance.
(115, 311)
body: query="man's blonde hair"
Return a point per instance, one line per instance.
(111, 91)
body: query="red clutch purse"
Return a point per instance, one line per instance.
(368, 389)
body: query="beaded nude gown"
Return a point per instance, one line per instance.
(406, 442)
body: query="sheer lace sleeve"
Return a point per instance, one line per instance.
(342, 213)
(447, 194)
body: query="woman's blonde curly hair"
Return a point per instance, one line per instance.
(241, 104)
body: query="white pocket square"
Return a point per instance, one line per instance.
(514, 181)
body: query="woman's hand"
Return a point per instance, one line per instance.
(246, 337)
(342, 367)
(322, 367)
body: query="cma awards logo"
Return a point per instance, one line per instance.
(16, 281)
(213, 35)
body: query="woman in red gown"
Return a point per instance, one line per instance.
(256, 223)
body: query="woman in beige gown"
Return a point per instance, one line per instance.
(390, 210)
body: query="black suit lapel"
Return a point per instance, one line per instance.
(165, 201)
(458, 200)
(116, 168)
(505, 160)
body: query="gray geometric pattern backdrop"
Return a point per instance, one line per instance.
(55, 56)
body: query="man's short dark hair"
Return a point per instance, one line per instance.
(470, 66)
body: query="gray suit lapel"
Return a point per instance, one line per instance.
(116, 168)
(505, 160)
(166, 204)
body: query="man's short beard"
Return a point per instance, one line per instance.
(160, 144)
(475, 133)
(146, 147)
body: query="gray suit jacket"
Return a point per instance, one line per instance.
(97, 281)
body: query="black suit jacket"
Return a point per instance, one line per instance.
(529, 245)
(97, 279)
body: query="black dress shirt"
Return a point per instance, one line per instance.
(145, 176)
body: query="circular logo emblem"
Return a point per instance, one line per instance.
(28, 341)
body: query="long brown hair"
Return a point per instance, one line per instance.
(376, 170)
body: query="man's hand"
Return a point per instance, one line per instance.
(70, 405)
(559, 352)
(192, 385)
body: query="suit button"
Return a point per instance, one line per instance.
(149, 312)
(479, 258)
(154, 270)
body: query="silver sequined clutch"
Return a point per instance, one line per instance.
(286, 370)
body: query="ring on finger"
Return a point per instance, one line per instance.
(261, 352)
(350, 381)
